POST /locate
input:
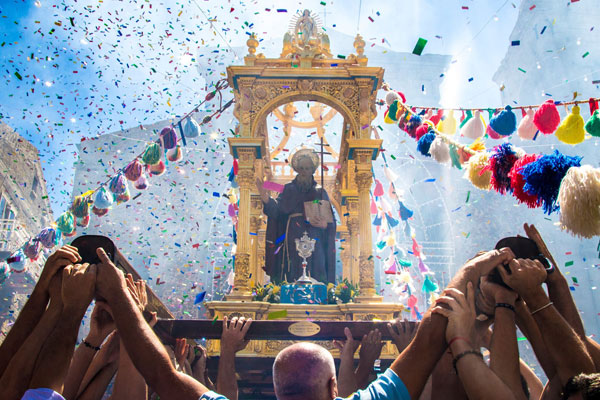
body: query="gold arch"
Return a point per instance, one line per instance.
(318, 124)
(309, 96)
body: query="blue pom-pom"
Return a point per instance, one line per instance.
(425, 143)
(542, 177)
(413, 123)
(405, 213)
(501, 162)
(505, 123)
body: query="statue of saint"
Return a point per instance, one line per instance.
(287, 221)
(305, 28)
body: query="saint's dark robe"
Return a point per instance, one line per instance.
(287, 222)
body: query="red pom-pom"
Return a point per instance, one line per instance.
(546, 118)
(421, 131)
(517, 182)
(437, 117)
(99, 211)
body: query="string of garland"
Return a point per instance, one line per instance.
(553, 181)
(115, 190)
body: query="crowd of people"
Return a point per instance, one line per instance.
(441, 357)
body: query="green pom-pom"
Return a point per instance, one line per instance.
(152, 154)
(593, 125)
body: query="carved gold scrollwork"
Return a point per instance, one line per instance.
(365, 270)
(364, 180)
(242, 271)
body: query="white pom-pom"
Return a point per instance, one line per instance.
(391, 96)
(579, 199)
(520, 152)
(474, 128)
(440, 151)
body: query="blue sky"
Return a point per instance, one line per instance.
(76, 69)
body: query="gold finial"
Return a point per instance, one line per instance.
(252, 44)
(359, 45)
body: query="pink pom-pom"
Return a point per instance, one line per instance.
(378, 192)
(133, 170)
(492, 133)
(422, 131)
(546, 118)
(517, 181)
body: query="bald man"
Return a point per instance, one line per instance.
(307, 371)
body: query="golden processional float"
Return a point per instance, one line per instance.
(305, 71)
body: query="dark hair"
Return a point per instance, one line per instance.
(586, 384)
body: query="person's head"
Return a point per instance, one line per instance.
(305, 163)
(583, 386)
(304, 371)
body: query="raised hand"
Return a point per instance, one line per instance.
(62, 257)
(460, 314)
(137, 291)
(264, 194)
(534, 234)
(78, 282)
(406, 333)
(347, 346)
(525, 275)
(234, 332)
(496, 293)
(110, 279)
(489, 260)
(101, 322)
(370, 347)
(182, 348)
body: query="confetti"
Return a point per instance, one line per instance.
(418, 50)
(200, 297)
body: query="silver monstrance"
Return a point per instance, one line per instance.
(305, 247)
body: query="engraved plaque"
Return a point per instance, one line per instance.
(304, 328)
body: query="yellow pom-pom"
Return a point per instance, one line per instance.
(474, 171)
(579, 199)
(571, 130)
(477, 145)
(448, 124)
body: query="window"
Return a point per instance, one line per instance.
(35, 184)
(7, 220)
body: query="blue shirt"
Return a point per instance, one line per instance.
(388, 386)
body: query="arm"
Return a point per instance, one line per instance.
(232, 341)
(504, 351)
(533, 382)
(100, 327)
(108, 354)
(129, 384)
(54, 359)
(565, 347)
(558, 288)
(528, 326)
(346, 379)
(145, 349)
(416, 362)
(370, 350)
(36, 304)
(97, 386)
(18, 374)
(479, 381)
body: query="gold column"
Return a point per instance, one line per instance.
(346, 255)
(245, 178)
(366, 266)
(255, 225)
(354, 246)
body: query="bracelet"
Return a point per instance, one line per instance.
(542, 307)
(454, 339)
(87, 344)
(505, 305)
(464, 353)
